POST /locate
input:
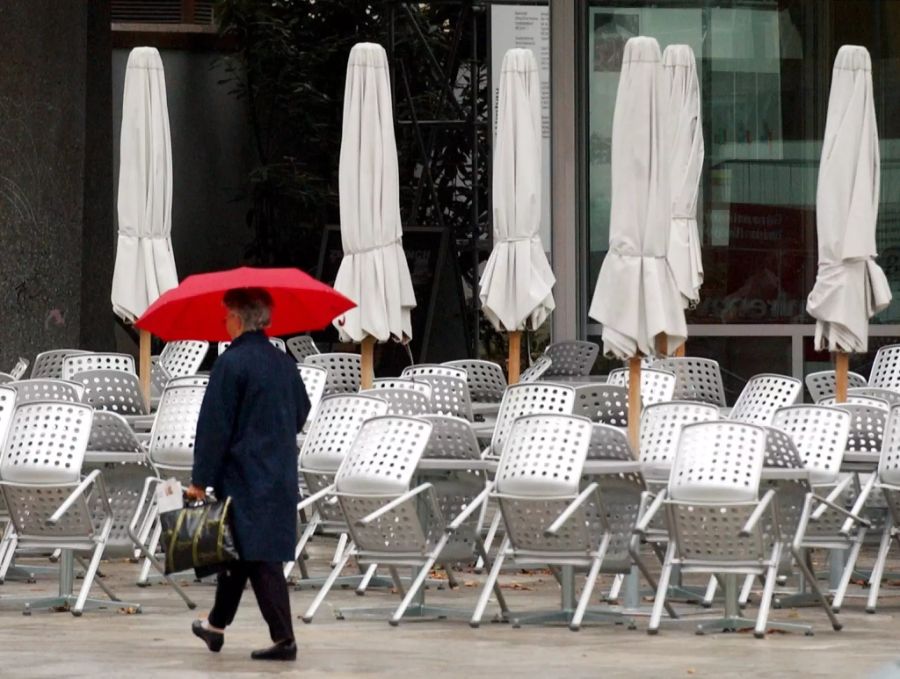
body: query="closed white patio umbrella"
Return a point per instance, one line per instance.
(517, 282)
(850, 287)
(145, 263)
(373, 272)
(683, 105)
(636, 297)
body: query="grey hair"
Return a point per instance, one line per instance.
(253, 305)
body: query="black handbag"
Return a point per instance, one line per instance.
(198, 536)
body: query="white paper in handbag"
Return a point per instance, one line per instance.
(169, 495)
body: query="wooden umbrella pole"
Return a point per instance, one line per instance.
(144, 362)
(841, 369)
(515, 356)
(634, 403)
(680, 352)
(367, 351)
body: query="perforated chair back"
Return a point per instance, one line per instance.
(602, 403)
(886, 368)
(452, 438)
(276, 342)
(400, 383)
(302, 346)
(111, 433)
(718, 461)
(383, 457)
(49, 364)
(573, 358)
(19, 369)
(820, 434)
(696, 379)
(609, 444)
(183, 357)
(7, 404)
(889, 463)
(112, 390)
(763, 395)
(661, 426)
(41, 466)
(449, 388)
(540, 473)
(781, 451)
(175, 428)
(867, 423)
(314, 380)
(199, 380)
(529, 399)
(486, 380)
(72, 365)
(657, 386)
(544, 455)
(46, 389)
(537, 370)
(46, 443)
(403, 401)
(336, 425)
(822, 384)
(889, 395)
(344, 371)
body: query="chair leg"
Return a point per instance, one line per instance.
(339, 549)
(366, 579)
(489, 584)
(151, 560)
(151, 547)
(848, 571)
(648, 576)
(92, 569)
(489, 538)
(616, 587)
(301, 544)
(10, 540)
(711, 588)
(102, 585)
(417, 584)
(326, 586)
(746, 589)
(589, 582)
(661, 590)
(498, 593)
(765, 603)
(814, 586)
(878, 568)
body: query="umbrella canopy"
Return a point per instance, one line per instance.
(850, 287)
(683, 105)
(517, 283)
(636, 297)
(194, 309)
(374, 272)
(145, 264)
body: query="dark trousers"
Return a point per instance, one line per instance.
(270, 588)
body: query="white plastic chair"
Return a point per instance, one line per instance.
(602, 403)
(449, 388)
(314, 380)
(822, 384)
(180, 358)
(48, 364)
(657, 386)
(537, 369)
(47, 389)
(528, 399)
(344, 371)
(763, 395)
(486, 380)
(572, 358)
(112, 390)
(302, 346)
(407, 401)
(885, 371)
(72, 365)
(19, 369)
(696, 379)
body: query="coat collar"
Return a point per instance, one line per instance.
(250, 337)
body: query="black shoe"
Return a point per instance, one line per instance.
(214, 640)
(283, 650)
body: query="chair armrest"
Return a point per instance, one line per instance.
(79, 491)
(392, 505)
(757, 513)
(142, 500)
(644, 522)
(827, 504)
(479, 500)
(830, 498)
(315, 497)
(568, 511)
(860, 503)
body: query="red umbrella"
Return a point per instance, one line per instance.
(194, 309)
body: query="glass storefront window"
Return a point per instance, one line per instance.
(765, 75)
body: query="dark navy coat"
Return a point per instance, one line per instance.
(246, 446)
